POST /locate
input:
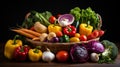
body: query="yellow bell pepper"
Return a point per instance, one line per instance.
(35, 54)
(85, 29)
(54, 28)
(10, 47)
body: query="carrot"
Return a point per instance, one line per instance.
(30, 32)
(24, 34)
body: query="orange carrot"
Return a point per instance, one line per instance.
(24, 34)
(30, 32)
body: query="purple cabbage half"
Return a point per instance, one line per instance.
(95, 46)
(79, 54)
(66, 19)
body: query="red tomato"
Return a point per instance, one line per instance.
(95, 33)
(52, 19)
(62, 56)
(91, 36)
(101, 32)
(83, 38)
(59, 34)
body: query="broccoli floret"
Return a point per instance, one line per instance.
(110, 53)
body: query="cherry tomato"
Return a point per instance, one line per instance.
(83, 38)
(101, 32)
(95, 33)
(59, 33)
(74, 39)
(77, 35)
(62, 56)
(91, 36)
(52, 19)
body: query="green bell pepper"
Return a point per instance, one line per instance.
(64, 38)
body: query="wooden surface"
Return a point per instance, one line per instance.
(8, 63)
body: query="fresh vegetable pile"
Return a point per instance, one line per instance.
(79, 25)
(75, 26)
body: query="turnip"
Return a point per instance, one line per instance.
(94, 57)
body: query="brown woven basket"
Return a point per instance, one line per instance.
(54, 47)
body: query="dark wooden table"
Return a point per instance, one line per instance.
(8, 63)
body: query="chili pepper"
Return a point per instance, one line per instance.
(10, 47)
(76, 24)
(64, 38)
(21, 53)
(69, 30)
(85, 29)
(54, 28)
(35, 54)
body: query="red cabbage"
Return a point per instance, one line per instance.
(79, 53)
(95, 46)
(65, 19)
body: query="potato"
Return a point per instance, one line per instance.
(51, 35)
(43, 36)
(40, 27)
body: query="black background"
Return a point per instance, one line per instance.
(13, 13)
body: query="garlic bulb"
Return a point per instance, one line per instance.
(48, 56)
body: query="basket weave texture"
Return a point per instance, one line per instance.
(55, 47)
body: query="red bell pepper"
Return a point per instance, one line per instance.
(69, 30)
(21, 53)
